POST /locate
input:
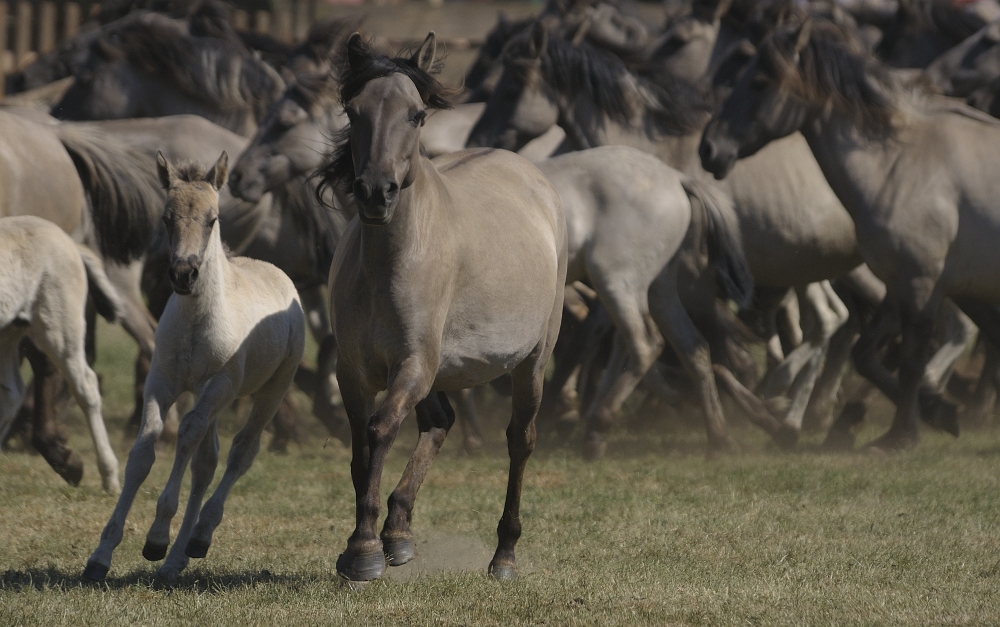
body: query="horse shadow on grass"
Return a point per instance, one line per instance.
(200, 581)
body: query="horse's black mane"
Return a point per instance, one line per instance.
(158, 49)
(363, 65)
(677, 107)
(312, 90)
(834, 71)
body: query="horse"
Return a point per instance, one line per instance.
(234, 327)
(598, 101)
(450, 276)
(151, 68)
(913, 174)
(45, 280)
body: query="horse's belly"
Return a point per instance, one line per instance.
(458, 371)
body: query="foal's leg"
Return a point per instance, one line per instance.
(363, 559)
(203, 465)
(46, 436)
(11, 383)
(245, 446)
(434, 419)
(216, 395)
(159, 395)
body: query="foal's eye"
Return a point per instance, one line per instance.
(418, 118)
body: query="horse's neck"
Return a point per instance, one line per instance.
(208, 299)
(856, 168)
(587, 127)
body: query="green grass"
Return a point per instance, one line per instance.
(654, 534)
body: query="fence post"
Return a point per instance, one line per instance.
(241, 20)
(22, 33)
(71, 20)
(301, 19)
(282, 28)
(46, 27)
(3, 47)
(262, 22)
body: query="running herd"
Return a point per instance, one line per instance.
(803, 175)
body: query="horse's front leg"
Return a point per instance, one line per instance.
(435, 418)
(363, 559)
(159, 395)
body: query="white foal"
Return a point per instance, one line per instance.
(232, 328)
(43, 295)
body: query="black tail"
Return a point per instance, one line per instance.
(725, 243)
(125, 195)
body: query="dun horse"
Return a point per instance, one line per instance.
(232, 328)
(918, 179)
(451, 275)
(43, 296)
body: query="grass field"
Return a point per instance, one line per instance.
(654, 534)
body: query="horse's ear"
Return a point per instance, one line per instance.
(424, 56)
(582, 30)
(539, 39)
(357, 50)
(802, 37)
(217, 176)
(165, 170)
(502, 19)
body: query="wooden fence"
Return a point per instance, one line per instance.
(28, 29)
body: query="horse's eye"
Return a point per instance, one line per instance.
(418, 119)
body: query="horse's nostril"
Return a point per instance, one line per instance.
(194, 273)
(706, 151)
(361, 190)
(390, 189)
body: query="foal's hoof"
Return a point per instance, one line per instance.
(594, 448)
(399, 551)
(154, 552)
(196, 548)
(787, 437)
(95, 572)
(361, 566)
(502, 572)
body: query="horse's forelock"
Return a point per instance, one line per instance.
(365, 65)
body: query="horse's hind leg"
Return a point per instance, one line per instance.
(246, 444)
(203, 465)
(158, 396)
(468, 416)
(217, 395)
(46, 436)
(435, 418)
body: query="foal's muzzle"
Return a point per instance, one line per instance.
(375, 201)
(183, 273)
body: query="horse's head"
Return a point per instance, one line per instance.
(291, 139)
(386, 100)
(191, 215)
(766, 103)
(523, 105)
(103, 87)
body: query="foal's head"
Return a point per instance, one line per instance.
(191, 215)
(386, 100)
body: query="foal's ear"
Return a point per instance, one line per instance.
(357, 50)
(165, 170)
(802, 37)
(424, 56)
(539, 39)
(217, 176)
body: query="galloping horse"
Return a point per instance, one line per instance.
(451, 275)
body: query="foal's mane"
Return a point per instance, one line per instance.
(670, 106)
(361, 66)
(833, 71)
(204, 68)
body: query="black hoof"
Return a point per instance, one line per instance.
(95, 571)
(502, 572)
(399, 551)
(366, 566)
(154, 552)
(939, 413)
(196, 549)
(787, 437)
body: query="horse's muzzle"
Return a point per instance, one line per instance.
(713, 159)
(375, 202)
(183, 273)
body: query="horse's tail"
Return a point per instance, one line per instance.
(124, 192)
(725, 243)
(106, 299)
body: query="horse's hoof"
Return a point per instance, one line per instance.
(196, 548)
(721, 447)
(399, 551)
(154, 552)
(95, 572)
(71, 470)
(502, 572)
(473, 445)
(594, 448)
(787, 437)
(366, 566)
(892, 443)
